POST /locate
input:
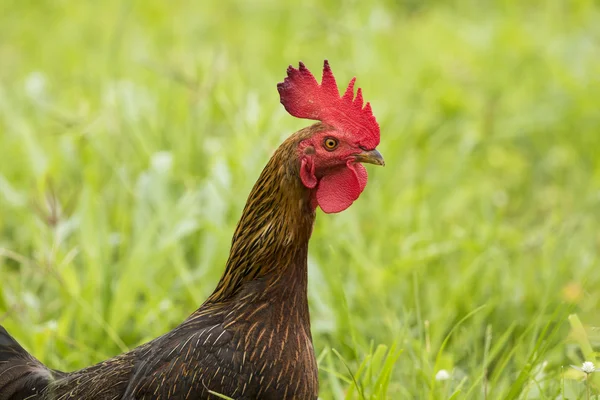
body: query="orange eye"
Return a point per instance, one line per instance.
(330, 143)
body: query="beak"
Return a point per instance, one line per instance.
(371, 157)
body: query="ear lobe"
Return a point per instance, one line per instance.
(307, 173)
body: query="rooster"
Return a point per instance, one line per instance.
(251, 338)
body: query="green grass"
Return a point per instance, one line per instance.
(132, 131)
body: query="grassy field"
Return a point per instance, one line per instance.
(132, 131)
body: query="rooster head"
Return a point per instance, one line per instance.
(330, 160)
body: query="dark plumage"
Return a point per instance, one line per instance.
(251, 338)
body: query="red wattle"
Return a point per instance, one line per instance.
(338, 190)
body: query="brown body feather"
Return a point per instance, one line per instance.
(251, 338)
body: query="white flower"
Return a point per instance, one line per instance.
(35, 85)
(162, 161)
(442, 375)
(588, 367)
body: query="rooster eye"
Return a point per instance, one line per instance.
(330, 143)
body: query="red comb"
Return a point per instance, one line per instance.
(303, 97)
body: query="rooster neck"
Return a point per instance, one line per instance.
(270, 243)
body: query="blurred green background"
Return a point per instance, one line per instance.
(131, 133)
